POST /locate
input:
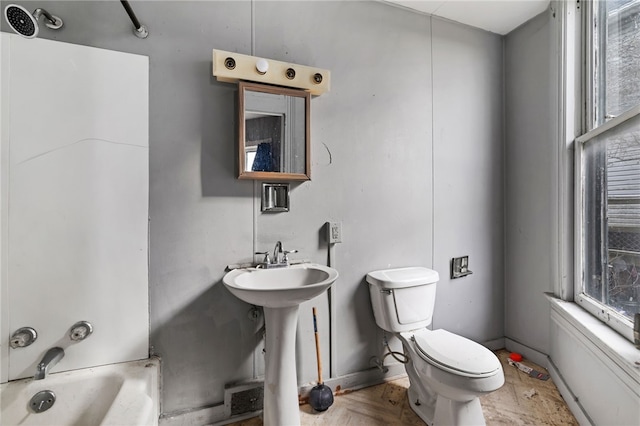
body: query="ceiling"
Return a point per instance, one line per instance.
(497, 16)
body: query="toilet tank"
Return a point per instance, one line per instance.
(403, 299)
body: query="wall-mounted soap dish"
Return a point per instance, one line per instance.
(460, 267)
(275, 197)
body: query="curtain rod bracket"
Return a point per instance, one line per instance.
(139, 30)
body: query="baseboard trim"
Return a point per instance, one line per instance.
(355, 381)
(216, 414)
(494, 344)
(194, 417)
(533, 355)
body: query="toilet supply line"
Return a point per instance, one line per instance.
(395, 355)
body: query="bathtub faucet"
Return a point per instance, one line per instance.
(51, 358)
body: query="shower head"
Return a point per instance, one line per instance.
(25, 23)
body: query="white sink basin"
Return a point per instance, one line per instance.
(280, 287)
(280, 291)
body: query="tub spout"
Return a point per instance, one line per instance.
(51, 358)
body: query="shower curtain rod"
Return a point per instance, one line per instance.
(140, 30)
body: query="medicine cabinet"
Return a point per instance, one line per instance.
(274, 133)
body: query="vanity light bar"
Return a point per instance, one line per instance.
(231, 67)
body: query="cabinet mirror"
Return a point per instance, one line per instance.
(273, 132)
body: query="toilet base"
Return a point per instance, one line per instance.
(424, 410)
(447, 412)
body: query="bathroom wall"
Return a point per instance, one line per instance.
(75, 203)
(372, 155)
(405, 153)
(530, 181)
(609, 392)
(592, 365)
(468, 180)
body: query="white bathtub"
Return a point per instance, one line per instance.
(117, 394)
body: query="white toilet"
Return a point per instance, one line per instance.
(447, 373)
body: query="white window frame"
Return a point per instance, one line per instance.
(608, 315)
(603, 312)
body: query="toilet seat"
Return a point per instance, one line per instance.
(456, 354)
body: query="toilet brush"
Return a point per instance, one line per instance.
(321, 396)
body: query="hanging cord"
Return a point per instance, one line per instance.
(398, 356)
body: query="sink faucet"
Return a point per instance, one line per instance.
(280, 257)
(277, 251)
(50, 359)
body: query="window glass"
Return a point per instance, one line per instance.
(611, 218)
(617, 57)
(609, 172)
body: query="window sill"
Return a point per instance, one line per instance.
(619, 350)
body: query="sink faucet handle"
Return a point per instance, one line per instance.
(266, 259)
(285, 259)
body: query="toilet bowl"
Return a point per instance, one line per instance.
(447, 372)
(452, 377)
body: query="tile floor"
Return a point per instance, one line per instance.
(387, 404)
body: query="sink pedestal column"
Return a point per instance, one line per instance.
(280, 377)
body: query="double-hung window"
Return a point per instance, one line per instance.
(608, 165)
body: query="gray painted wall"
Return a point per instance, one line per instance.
(406, 153)
(468, 175)
(530, 181)
(539, 248)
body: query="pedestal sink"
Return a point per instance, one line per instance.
(280, 291)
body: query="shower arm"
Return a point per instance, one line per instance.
(39, 12)
(140, 30)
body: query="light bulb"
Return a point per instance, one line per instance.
(262, 66)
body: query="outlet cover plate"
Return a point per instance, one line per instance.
(334, 232)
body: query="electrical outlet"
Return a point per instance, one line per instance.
(334, 232)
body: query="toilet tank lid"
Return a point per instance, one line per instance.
(402, 277)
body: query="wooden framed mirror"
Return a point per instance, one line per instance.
(274, 133)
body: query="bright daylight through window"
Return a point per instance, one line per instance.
(609, 165)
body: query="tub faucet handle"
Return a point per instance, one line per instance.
(80, 330)
(23, 337)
